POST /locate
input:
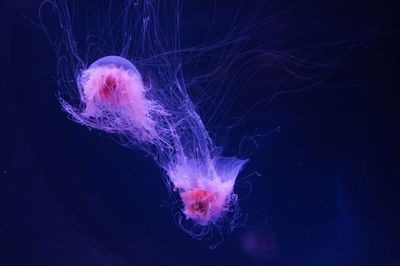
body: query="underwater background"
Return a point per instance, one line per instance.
(326, 188)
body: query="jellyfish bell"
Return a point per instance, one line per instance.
(111, 81)
(117, 61)
(206, 188)
(113, 92)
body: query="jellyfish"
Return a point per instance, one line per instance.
(130, 84)
(115, 100)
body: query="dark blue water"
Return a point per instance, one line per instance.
(327, 189)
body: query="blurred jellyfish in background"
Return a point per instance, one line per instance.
(260, 243)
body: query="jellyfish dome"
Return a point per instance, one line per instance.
(115, 97)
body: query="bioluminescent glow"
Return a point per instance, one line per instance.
(123, 72)
(178, 87)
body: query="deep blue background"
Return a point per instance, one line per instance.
(327, 194)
